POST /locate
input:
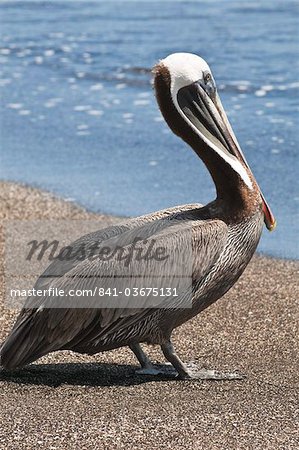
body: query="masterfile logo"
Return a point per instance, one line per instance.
(74, 264)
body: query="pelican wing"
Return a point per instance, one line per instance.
(45, 327)
(59, 267)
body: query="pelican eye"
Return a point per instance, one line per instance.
(207, 77)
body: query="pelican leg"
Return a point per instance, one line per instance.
(143, 359)
(171, 356)
(191, 371)
(147, 368)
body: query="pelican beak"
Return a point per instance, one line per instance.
(201, 104)
(269, 219)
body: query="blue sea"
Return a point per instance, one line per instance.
(79, 118)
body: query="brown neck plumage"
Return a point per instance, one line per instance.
(230, 188)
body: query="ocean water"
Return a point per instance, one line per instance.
(79, 118)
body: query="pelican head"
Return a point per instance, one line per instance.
(193, 93)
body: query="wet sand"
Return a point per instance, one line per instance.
(70, 401)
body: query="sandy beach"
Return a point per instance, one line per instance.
(71, 401)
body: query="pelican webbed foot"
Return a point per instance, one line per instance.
(150, 371)
(196, 373)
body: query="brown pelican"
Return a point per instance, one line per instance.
(225, 234)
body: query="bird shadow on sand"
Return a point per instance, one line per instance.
(78, 374)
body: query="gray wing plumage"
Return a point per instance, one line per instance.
(57, 268)
(44, 327)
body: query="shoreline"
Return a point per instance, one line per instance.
(74, 210)
(103, 404)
